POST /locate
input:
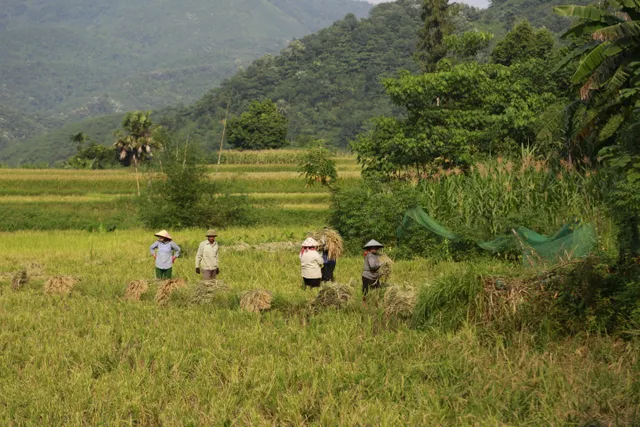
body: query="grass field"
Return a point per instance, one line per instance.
(93, 358)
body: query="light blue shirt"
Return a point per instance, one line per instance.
(166, 250)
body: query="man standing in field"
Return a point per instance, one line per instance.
(207, 257)
(165, 253)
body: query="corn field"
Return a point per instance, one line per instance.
(500, 193)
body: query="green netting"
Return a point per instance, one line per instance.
(571, 241)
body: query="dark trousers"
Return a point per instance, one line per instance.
(327, 271)
(369, 284)
(312, 283)
(163, 273)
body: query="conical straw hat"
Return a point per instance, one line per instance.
(164, 234)
(373, 244)
(310, 242)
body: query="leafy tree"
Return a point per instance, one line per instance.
(438, 23)
(90, 154)
(453, 114)
(138, 142)
(522, 43)
(262, 126)
(468, 45)
(317, 167)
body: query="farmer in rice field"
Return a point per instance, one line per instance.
(165, 252)
(370, 274)
(207, 257)
(312, 263)
(331, 248)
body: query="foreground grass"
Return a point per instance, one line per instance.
(93, 358)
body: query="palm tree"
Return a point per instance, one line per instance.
(138, 143)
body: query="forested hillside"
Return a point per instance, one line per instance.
(70, 59)
(327, 84)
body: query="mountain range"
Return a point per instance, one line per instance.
(172, 55)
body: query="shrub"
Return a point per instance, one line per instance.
(183, 196)
(317, 167)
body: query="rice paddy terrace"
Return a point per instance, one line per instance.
(85, 353)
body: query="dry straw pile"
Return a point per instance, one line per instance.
(167, 288)
(400, 301)
(207, 290)
(256, 300)
(59, 285)
(20, 279)
(386, 267)
(136, 289)
(333, 295)
(331, 242)
(503, 297)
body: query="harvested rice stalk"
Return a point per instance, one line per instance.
(167, 288)
(386, 267)
(503, 297)
(333, 295)
(400, 301)
(20, 279)
(207, 290)
(60, 285)
(331, 242)
(256, 300)
(136, 289)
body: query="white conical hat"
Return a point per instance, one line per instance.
(373, 244)
(163, 233)
(310, 242)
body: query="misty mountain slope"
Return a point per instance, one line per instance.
(58, 56)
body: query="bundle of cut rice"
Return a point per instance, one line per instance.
(60, 285)
(333, 295)
(207, 290)
(331, 242)
(400, 301)
(20, 279)
(386, 267)
(163, 296)
(136, 289)
(256, 300)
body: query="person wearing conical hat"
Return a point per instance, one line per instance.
(311, 262)
(207, 257)
(370, 275)
(165, 252)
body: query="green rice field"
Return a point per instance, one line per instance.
(95, 358)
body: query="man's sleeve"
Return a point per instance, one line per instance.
(374, 265)
(176, 248)
(320, 260)
(199, 255)
(153, 247)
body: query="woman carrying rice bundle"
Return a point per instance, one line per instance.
(311, 262)
(331, 247)
(370, 273)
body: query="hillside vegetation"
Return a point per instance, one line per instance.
(71, 59)
(327, 83)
